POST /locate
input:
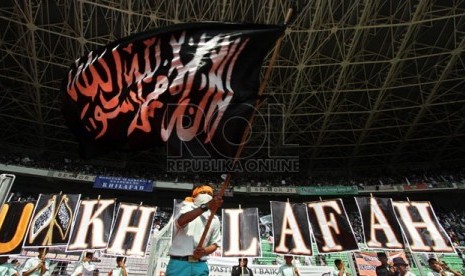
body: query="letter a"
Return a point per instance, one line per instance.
(289, 227)
(378, 222)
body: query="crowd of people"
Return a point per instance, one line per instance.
(438, 177)
(453, 222)
(189, 252)
(41, 265)
(196, 265)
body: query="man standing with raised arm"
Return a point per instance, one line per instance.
(186, 257)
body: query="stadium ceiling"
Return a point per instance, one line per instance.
(357, 84)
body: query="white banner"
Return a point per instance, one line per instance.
(223, 266)
(74, 176)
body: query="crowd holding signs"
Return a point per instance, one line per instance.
(58, 220)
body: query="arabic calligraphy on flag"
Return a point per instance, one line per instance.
(189, 86)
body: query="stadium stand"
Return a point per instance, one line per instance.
(453, 221)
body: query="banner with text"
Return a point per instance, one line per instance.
(223, 267)
(368, 261)
(50, 225)
(380, 226)
(131, 233)
(421, 227)
(52, 219)
(241, 235)
(54, 254)
(271, 190)
(72, 176)
(291, 231)
(328, 190)
(122, 183)
(14, 222)
(92, 226)
(331, 226)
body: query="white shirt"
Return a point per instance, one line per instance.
(186, 239)
(33, 262)
(308, 261)
(7, 269)
(86, 268)
(118, 271)
(336, 273)
(286, 270)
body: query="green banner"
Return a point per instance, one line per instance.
(328, 190)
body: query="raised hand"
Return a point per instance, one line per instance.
(215, 203)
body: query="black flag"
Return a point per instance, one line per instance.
(191, 86)
(52, 220)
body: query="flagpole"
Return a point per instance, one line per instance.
(49, 236)
(261, 90)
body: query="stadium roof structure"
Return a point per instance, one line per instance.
(357, 84)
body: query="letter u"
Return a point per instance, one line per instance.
(21, 229)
